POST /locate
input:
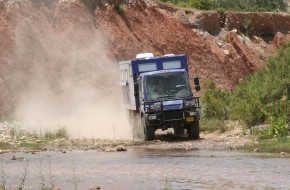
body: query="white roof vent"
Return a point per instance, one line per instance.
(144, 55)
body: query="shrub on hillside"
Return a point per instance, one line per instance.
(263, 97)
(233, 5)
(201, 4)
(214, 102)
(251, 5)
(265, 93)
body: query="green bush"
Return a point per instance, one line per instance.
(214, 102)
(265, 93)
(122, 8)
(201, 4)
(211, 125)
(60, 133)
(234, 5)
(252, 5)
(263, 97)
(278, 127)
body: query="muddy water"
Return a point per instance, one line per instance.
(148, 169)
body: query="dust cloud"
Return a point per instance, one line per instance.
(70, 82)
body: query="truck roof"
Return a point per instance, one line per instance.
(151, 64)
(160, 57)
(162, 71)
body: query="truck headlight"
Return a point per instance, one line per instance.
(189, 103)
(158, 105)
(152, 106)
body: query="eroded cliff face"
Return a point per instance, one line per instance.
(51, 41)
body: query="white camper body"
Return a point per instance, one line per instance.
(127, 83)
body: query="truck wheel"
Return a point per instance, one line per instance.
(194, 130)
(179, 131)
(149, 131)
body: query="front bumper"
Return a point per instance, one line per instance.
(171, 119)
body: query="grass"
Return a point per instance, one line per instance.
(268, 145)
(212, 125)
(31, 146)
(5, 145)
(261, 98)
(18, 138)
(232, 5)
(23, 145)
(60, 133)
(167, 185)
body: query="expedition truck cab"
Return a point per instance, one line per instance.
(158, 95)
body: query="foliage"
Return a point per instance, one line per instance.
(122, 8)
(265, 93)
(32, 146)
(269, 145)
(5, 145)
(214, 102)
(60, 133)
(201, 4)
(264, 97)
(211, 125)
(233, 5)
(278, 127)
(252, 5)
(247, 26)
(167, 185)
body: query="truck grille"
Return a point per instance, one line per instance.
(172, 107)
(176, 115)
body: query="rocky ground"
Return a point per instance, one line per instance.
(229, 140)
(14, 140)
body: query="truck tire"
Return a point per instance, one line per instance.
(179, 131)
(193, 132)
(149, 131)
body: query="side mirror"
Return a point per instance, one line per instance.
(136, 89)
(196, 83)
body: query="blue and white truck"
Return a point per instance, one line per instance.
(158, 95)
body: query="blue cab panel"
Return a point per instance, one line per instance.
(158, 63)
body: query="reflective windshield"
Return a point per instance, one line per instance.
(166, 86)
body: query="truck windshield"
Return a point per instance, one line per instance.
(166, 86)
